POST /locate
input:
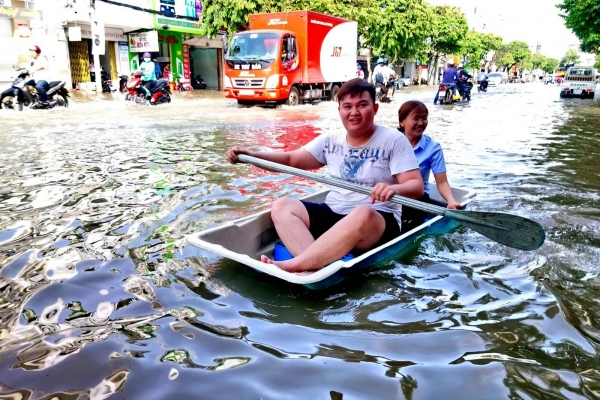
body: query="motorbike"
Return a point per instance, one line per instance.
(159, 92)
(183, 85)
(198, 82)
(123, 83)
(483, 85)
(446, 92)
(106, 83)
(22, 94)
(380, 95)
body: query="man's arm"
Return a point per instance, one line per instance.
(300, 158)
(410, 184)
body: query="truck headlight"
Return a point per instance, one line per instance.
(227, 82)
(273, 82)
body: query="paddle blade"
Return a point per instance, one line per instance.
(510, 230)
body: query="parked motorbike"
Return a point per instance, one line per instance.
(183, 84)
(198, 82)
(159, 92)
(123, 83)
(22, 94)
(106, 83)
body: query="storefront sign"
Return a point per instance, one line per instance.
(186, 61)
(75, 34)
(110, 34)
(20, 13)
(143, 41)
(98, 38)
(124, 58)
(24, 30)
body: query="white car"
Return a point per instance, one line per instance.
(495, 79)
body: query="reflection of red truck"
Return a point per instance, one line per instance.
(290, 57)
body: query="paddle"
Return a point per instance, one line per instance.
(509, 230)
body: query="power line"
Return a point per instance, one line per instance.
(148, 10)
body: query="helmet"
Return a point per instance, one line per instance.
(36, 49)
(146, 54)
(380, 61)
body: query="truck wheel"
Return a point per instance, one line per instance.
(592, 95)
(294, 97)
(333, 93)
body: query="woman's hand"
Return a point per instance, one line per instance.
(232, 153)
(382, 192)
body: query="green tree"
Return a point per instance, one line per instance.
(583, 18)
(570, 57)
(597, 64)
(538, 61)
(399, 29)
(515, 53)
(448, 29)
(550, 65)
(475, 46)
(233, 15)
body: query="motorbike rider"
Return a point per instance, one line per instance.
(148, 75)
(379, 75)
(448, 78)
(482, 79)
(389, 79)
(39, 69)
(462, 75)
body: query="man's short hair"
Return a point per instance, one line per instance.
(356, 87)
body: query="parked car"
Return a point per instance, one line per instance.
(495, 79)
(405, 81)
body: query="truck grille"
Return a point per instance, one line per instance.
(249, 83)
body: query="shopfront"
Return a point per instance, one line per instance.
(183, 48)
(114, 61)
(15, 37)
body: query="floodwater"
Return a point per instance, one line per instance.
(101, 296)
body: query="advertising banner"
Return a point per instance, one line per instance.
(186, 61)
(20, 13)
(143, 41)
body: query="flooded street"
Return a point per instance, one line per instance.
(101, 296)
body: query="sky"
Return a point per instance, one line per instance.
(531, 21)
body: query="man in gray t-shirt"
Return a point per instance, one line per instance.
(371, 155)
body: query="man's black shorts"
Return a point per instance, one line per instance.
(322, 218)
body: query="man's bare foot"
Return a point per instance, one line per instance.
(288, 265)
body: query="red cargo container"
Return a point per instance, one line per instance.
(290, 57)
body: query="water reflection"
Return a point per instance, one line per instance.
(100, 293)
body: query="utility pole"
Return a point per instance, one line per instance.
(97, 36)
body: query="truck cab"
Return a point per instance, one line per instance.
(260, 65)
(579, 81)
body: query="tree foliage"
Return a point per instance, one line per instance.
(515, 53)
(233, 15)
(399, 30)
(475, 46)
(448, 28)
(570, 57)
(550, 65)
(583, 18)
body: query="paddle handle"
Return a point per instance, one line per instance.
(328, 180)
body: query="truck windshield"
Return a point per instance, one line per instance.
(253, 49)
